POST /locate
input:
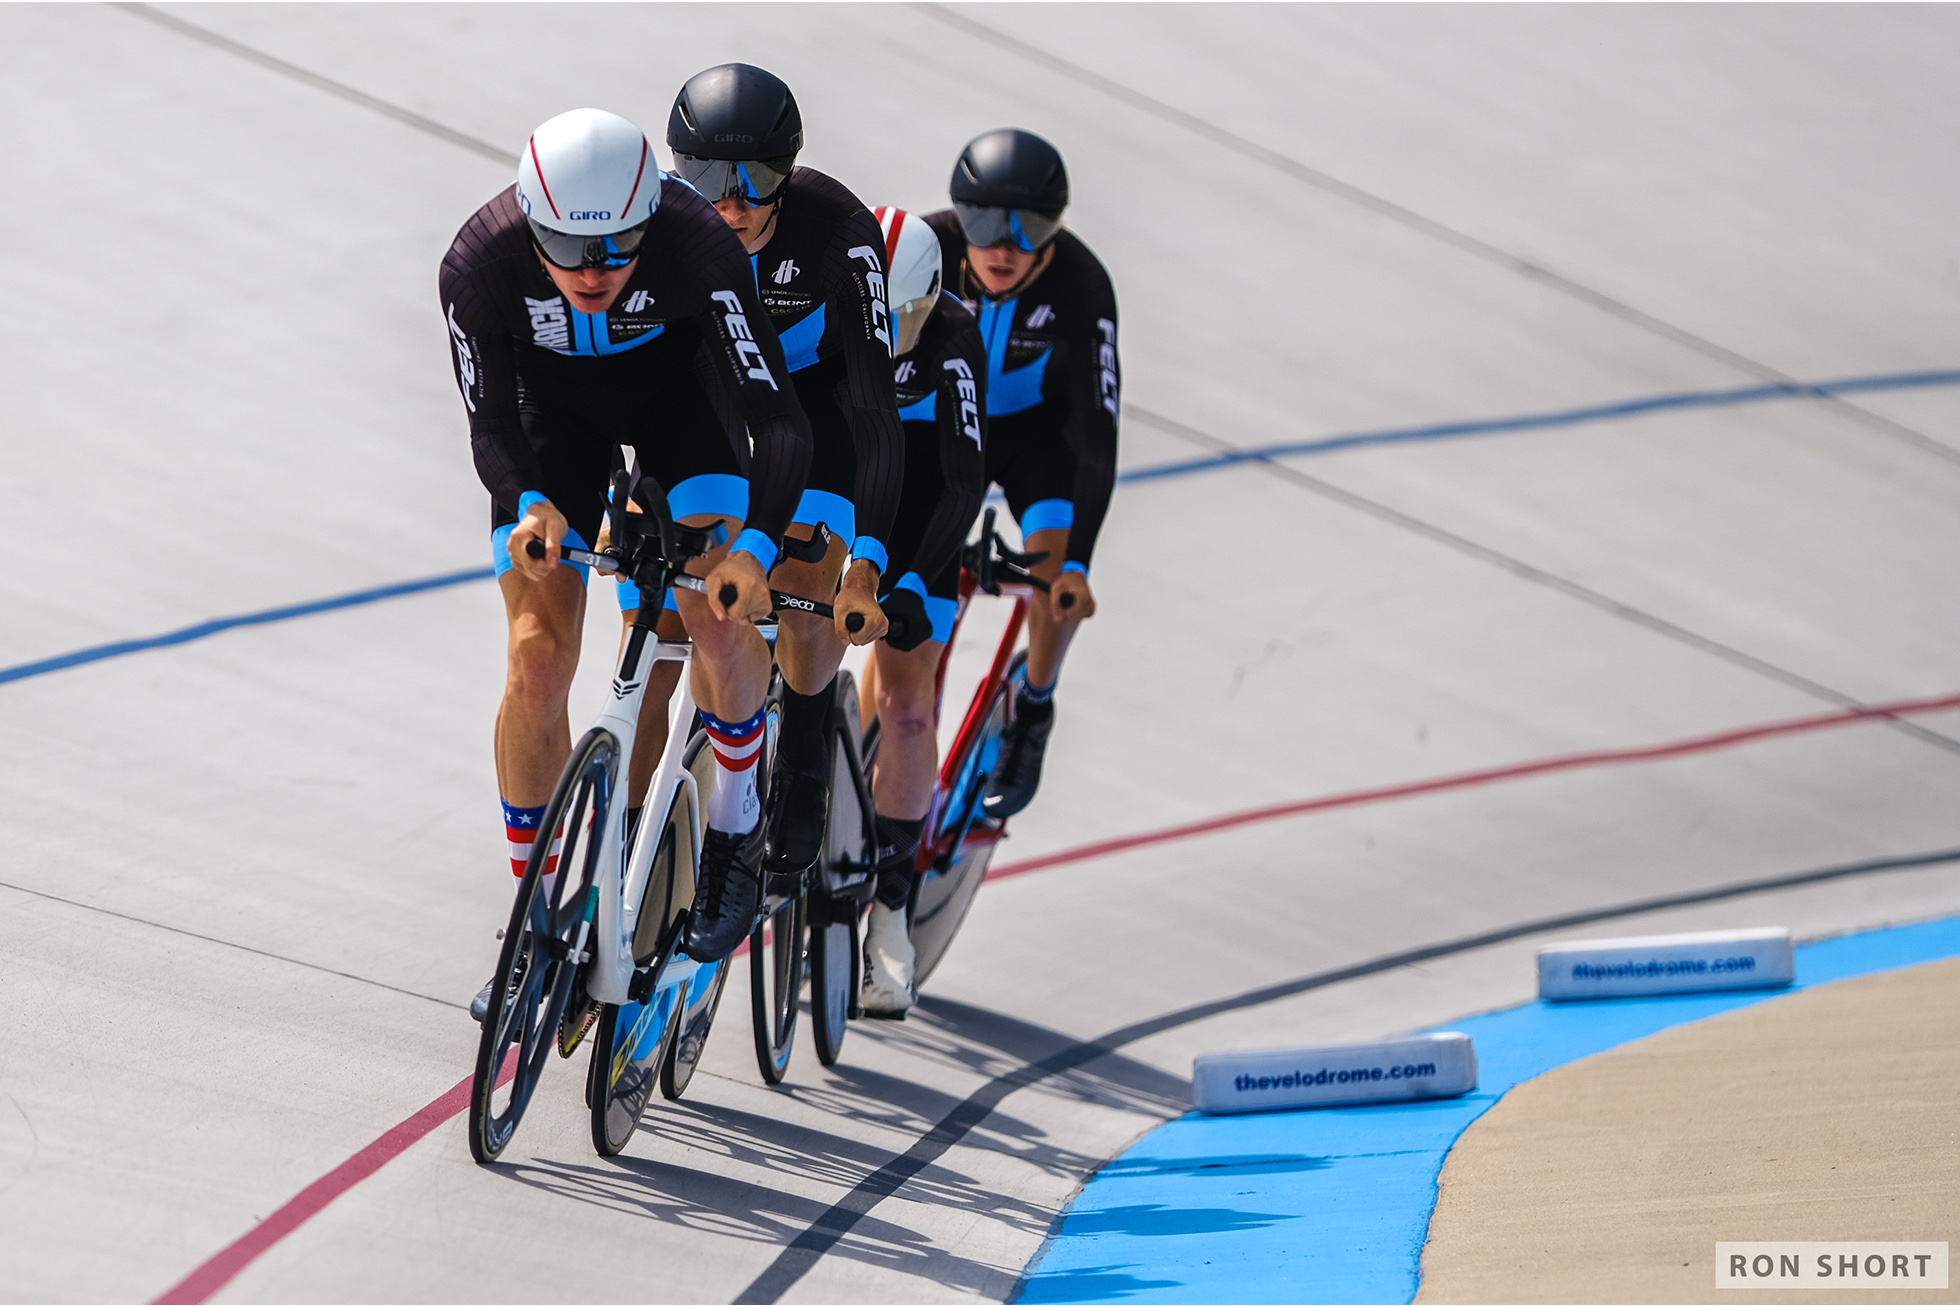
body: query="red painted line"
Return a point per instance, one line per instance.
(1471, 779)
(200, 1284)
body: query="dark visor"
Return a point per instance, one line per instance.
(755, 180)
(575, 252)
(1023, 228)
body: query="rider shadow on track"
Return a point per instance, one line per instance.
(737, 1160)
(989, 1044)
(734, 1188)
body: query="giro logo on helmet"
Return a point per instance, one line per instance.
(588, 215)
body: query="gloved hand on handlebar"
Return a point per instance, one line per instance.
(905, 609)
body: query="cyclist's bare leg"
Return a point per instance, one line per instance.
(533, 736)
(908, 741)
(730, 666)
(1048, 639)
(807, 647)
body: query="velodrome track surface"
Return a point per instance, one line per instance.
(254, 877)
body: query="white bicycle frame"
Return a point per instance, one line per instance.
(621, 878)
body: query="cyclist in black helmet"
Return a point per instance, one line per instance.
(819, 264)
(1048, 318)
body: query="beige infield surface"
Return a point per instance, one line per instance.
(1831, 1114)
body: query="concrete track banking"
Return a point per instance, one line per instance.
(255, 869)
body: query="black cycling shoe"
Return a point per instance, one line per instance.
(480, 1004)
(1017, 770)
(728, 896)
(799, 805)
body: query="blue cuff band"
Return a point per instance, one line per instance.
(1082, 567)
(528, 500)
(873, 552)
(1047, 515)
(758, 546)
(833, 510)
(910, 581)
(942, 612)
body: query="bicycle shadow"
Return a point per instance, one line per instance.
(738, 1162)
(989, 1044)
(739, 1190)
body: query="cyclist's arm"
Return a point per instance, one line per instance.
(853, 287)
(961, 418)
(485, 364)
(1094, 380)
(743, 362)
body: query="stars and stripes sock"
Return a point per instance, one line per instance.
(733, 807)
(521, 830)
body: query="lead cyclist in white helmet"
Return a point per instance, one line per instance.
(941, 374)
(596, 303)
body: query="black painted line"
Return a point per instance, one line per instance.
(797, 1259)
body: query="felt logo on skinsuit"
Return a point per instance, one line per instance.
(969, 398)
(747, 352)
(465, 360)
(874, 281)
(1107, 357)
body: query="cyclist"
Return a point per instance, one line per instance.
(1048, 321)
(599, 302)
(818, 263)
(941, 375)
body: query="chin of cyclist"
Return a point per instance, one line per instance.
(596, 303)
(1047, 319)
(818, 263)
(940, 374)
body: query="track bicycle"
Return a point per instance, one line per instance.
(809, 921)
(961, 838)
(599, 943)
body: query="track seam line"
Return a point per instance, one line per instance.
(227, 943)
(1408, 217)
(339, 90)
(1551, 580)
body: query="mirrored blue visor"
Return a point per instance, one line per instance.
(1024, 229)
(755, 180)
(574, 252)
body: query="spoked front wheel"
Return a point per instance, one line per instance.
(541, 957)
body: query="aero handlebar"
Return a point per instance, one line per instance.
(608, 564)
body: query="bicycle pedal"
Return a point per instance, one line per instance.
(641, 986)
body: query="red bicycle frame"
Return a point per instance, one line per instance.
(976, 713)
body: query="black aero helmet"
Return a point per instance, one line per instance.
(735, 130)
(1010, 185)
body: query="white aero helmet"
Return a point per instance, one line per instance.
(588, 182)
(913, 274)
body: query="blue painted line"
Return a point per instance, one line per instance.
(1334, 1205)
(205, 629)
(1754, 394)
(1262, 453)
